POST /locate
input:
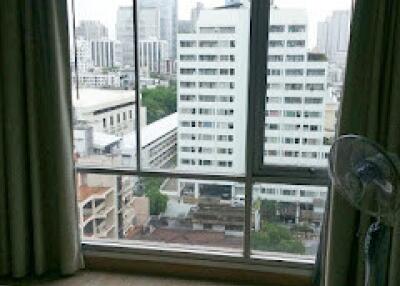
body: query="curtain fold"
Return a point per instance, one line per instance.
(38, 214)
(370, 107)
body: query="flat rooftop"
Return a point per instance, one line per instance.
(85, 192)
(98, 98)
(151, 132)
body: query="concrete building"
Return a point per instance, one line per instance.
(158, 144)
(149, 22)
(83, 56)
(153, 55)
(90, 30)
(109, 207)
(212, 80)
(106, 110)
(106, 53)
(211, 87)
(124, 34)
(168, 21)
(296, 94)
(333, 37)
(97, 79)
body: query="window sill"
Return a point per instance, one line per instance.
(274, 269)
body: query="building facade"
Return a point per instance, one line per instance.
(90, 30)
(106, 53)
(333, 37)
(153, 55)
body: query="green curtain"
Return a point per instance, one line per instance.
(38, 214)
(370, 107)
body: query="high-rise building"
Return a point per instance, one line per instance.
(168, 21)
(212, 88)
(124, 34)
(153, 55)
(105, 53)
(297, 90)
(212, 103)
(91, 30)
(333, 37)
(149, 22)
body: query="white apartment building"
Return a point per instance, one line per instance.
(296, 94)
(153, 55)
(212, 105)
(106, 110)
(212, 92)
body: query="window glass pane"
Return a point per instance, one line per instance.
(104, 100)
(162, 211)
(287, 219)
(194, 85)
(304, 80)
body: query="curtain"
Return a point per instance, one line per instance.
(370, 107)
(38, 214)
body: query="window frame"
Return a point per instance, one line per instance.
(255, 170)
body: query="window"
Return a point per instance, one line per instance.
(188, 44)
(295, 58)
(170, 131)
(188, 58)
(293, 86)
(296, 43)
(315, 72)
(276, 28)
(297, 28)
(276, 44)
(294, 72)
(315, 86)
(275, 58)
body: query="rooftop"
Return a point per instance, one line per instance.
(85, 192)
(151, 132)
(95, 97)
(102, 140)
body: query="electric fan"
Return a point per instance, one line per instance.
(368, 178)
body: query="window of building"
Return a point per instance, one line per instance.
(295, 58)
(294, 72)
(315, 72)
(276, 43)
(296, 43)
(276, 28)
(188, 44)
(275, 58)
(297, 28)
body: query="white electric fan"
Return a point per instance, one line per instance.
(368, 178)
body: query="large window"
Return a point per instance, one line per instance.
(190, 134)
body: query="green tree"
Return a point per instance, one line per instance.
(160, 102)
(268, 211)
(275, 237)
(158, 201)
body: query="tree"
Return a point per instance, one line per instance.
(158, 201)
(160, 102)
(268, 211)
(275, 237)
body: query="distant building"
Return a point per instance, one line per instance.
(158, 141)
(333, 37)
(91, 31)
(106, 110)
(149, 22)
(124, 34)
(83, 56)
(153, 55)
(106, 53)
(97, 79)
(109, 207)
(168, 21)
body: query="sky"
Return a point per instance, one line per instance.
(106, 10)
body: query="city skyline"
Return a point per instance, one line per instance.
(105, 11)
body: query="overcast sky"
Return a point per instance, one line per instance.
(106, 10)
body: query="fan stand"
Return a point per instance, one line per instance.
(373, 228)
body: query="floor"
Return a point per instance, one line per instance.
(115, 279)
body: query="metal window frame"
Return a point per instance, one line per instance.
(255, 171)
